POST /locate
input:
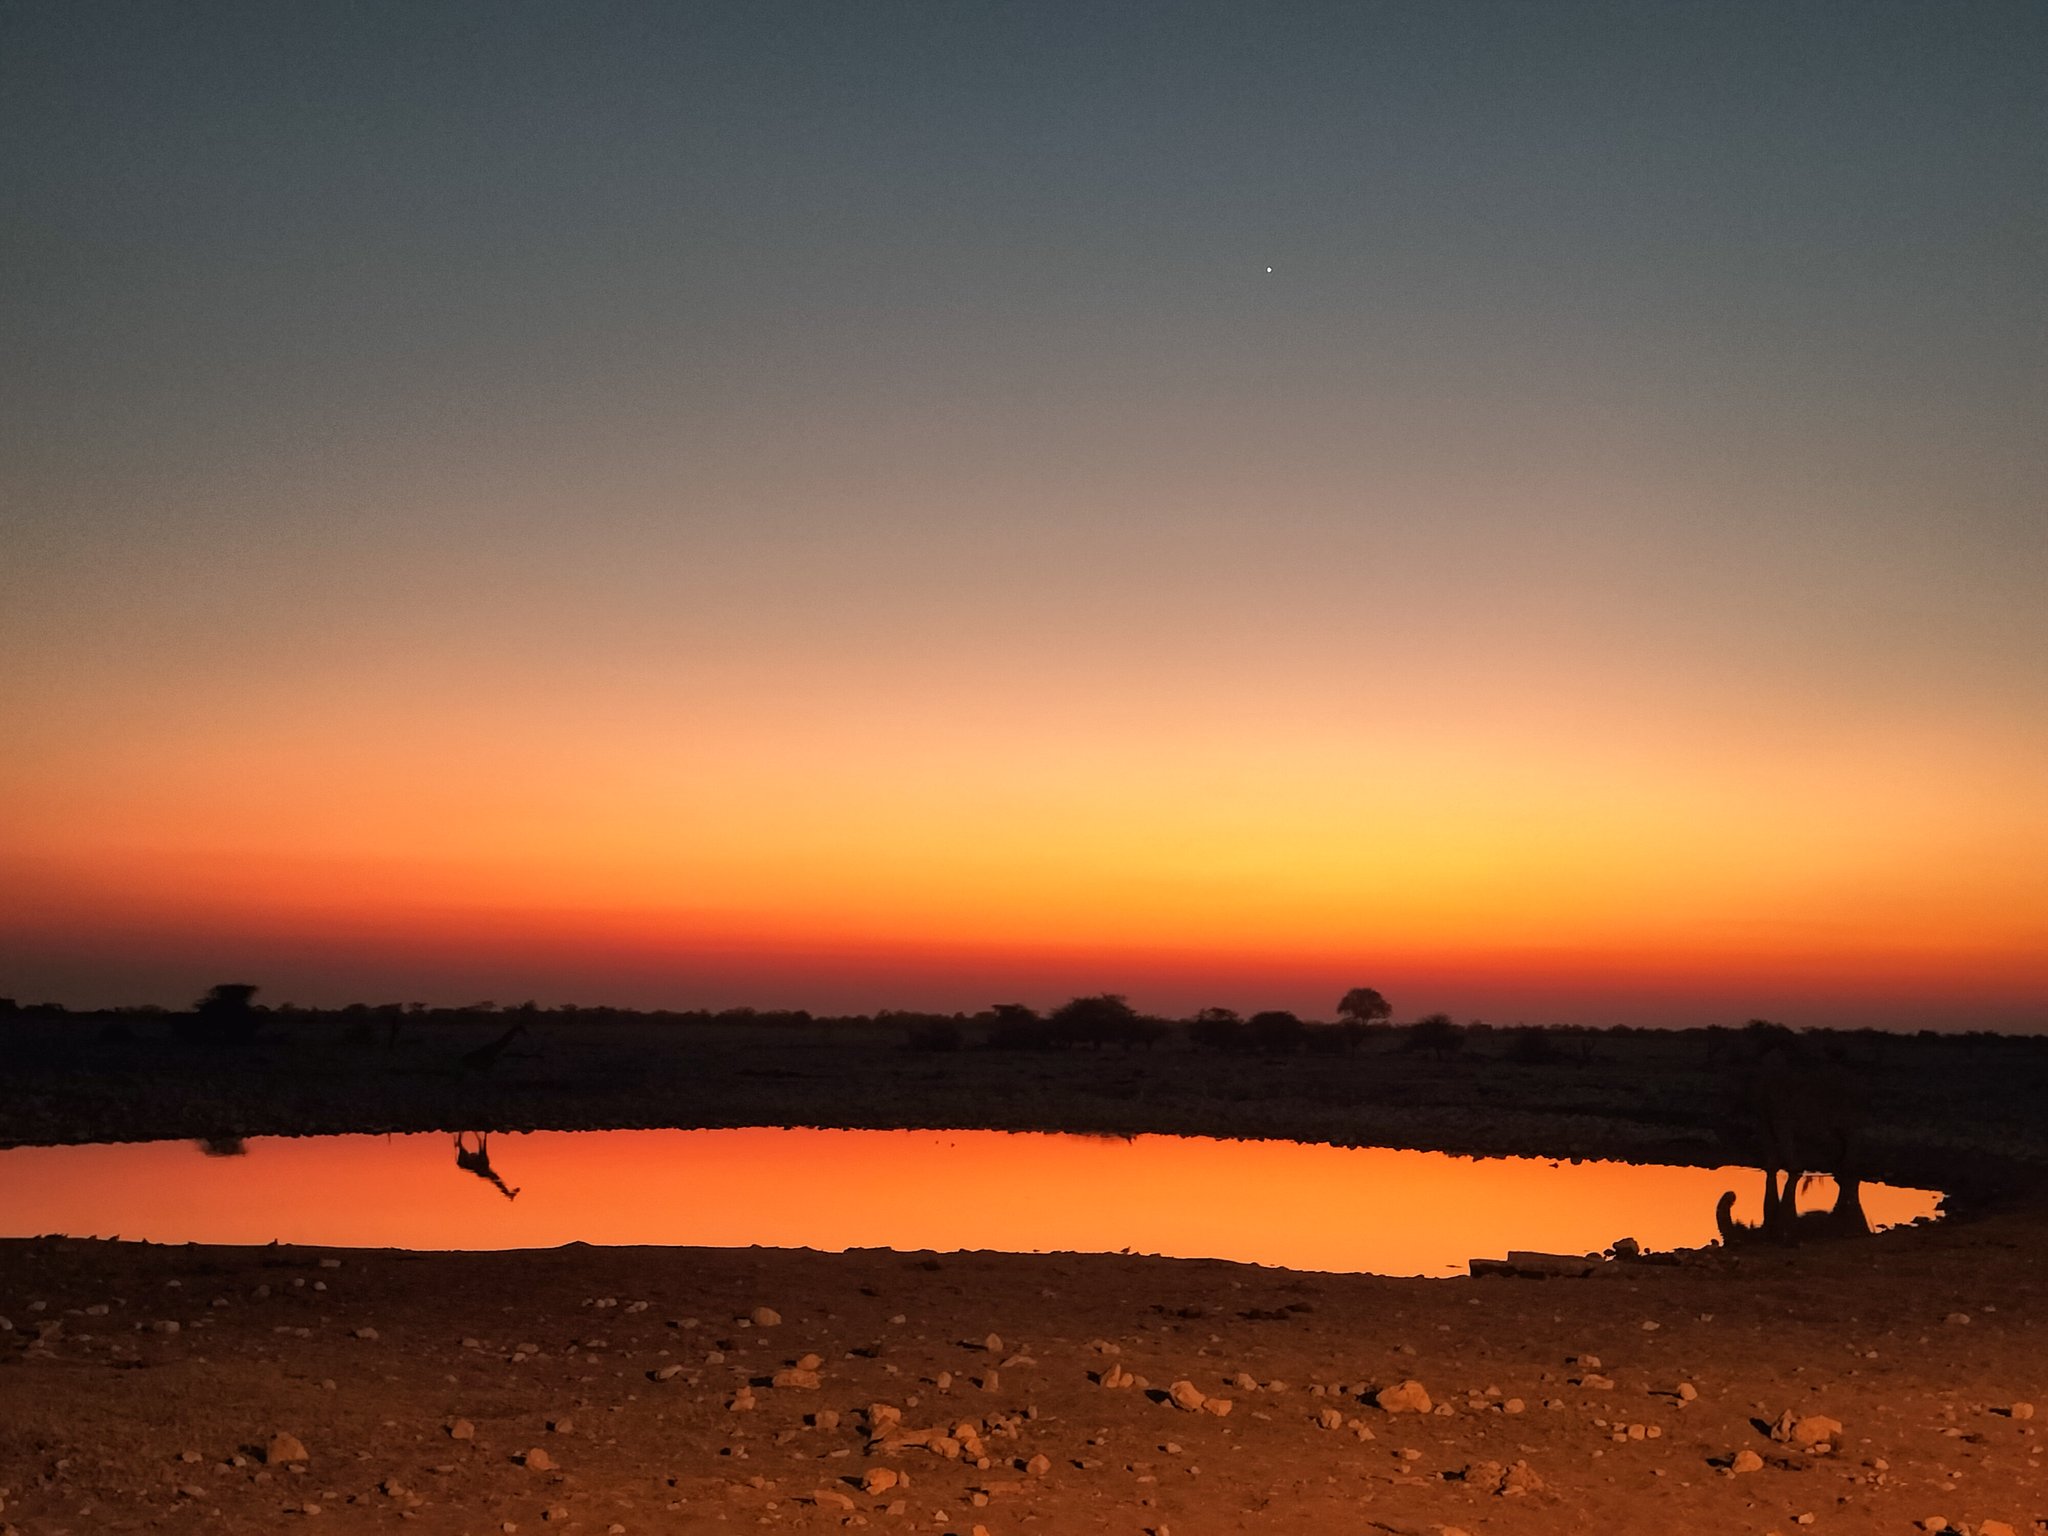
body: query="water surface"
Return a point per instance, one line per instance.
(1302, 1206)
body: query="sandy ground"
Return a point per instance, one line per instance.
(628, 1390)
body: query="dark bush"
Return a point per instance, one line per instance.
(1276, 1032)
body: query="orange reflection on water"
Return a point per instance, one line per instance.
(1302, 1206)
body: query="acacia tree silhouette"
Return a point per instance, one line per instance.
(1364, 1005)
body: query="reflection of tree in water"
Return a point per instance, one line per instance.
(477, 1160)
(222, 1146)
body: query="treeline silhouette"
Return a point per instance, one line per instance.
(229, 1017)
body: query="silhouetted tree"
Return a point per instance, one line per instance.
(1096, 1020)
(1015, 1027)
(1277, 1032)
(224, 1017)
(1436, 1034)
(1364, 1006)
(1219, 1029)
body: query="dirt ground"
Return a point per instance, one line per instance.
(634, 1390)
(628, 1390)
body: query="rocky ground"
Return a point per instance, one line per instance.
(1878, 1385)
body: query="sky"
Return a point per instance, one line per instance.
(1538, 508)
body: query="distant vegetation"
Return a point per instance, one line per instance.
(229, 1017)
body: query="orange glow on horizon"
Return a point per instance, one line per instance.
(1587, 842)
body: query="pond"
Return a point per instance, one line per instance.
(1301, 1206)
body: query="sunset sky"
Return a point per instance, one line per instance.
(1538, 508)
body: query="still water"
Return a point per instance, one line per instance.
(1297, 1205)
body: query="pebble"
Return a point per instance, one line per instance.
(461, 1429)
(284, 1449)
(1186, 1396)
(538, 1460)
(1746, 1460)
(764, 1317)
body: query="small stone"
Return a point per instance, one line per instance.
(1519, 1479)
(538, 1460)
(1994, 1528)
(461, 1429)
(561, 1426)
(1330, 1418)
(1814, 1432)
(797, 1379)
(993, 1343)
(1038, 1465)
(2022, 1410)
(283, 1450)
(1186, 1396)
(764, 1317)
(1746, 1461)
(366, 1333)
(166, 1326)
(1220, 1406)
(1406, 1397)
(880, 1480)
(1687, 1392)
